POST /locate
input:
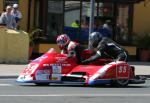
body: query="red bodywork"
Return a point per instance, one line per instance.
(58, 68)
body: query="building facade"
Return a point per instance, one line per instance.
(126, 17)
(54, 15)
(141, 21)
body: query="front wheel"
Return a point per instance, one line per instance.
(42, 84)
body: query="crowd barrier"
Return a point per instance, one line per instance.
(14, 46)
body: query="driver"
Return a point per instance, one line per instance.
(69, 47)
(105, 47)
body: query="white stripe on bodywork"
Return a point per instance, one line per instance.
(117, 62)
(73, 75)
(100, 72)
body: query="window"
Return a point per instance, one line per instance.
(77, 11)
(105, 9)
(103, 14)
(72, 19)
(54, 19)
(123, 24)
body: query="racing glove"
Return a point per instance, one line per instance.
(87, 61)
(71, 54)
(93, 58)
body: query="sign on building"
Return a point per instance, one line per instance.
(10, 2)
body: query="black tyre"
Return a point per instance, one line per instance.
(42, 84)
(120, 82)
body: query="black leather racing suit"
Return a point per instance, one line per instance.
(107, 47)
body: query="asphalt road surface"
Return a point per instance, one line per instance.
(12, 92)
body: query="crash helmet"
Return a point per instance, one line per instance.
(62, 41)
(94, 39)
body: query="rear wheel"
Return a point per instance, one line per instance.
(120, 82)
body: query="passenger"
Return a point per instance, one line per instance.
(69, 47)
(105, 46)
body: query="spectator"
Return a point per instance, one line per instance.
(85, 25)
(108, 26)
(75, 24)
(8, 19)
(101, 28)
(17, 14)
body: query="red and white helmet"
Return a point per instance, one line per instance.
(62, 41)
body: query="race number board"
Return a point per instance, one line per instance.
(122, 71)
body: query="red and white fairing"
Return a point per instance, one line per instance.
(53, 67)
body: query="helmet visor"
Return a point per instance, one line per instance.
(93, 43)
(61, 42)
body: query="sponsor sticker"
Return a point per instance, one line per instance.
(56, 69)
(42, 75)
(56, 77)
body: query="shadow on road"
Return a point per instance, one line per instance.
(83, 86)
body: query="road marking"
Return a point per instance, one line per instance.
(7, 79)
(6, 85)
(80, 95)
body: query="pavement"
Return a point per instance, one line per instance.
(13, 70)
